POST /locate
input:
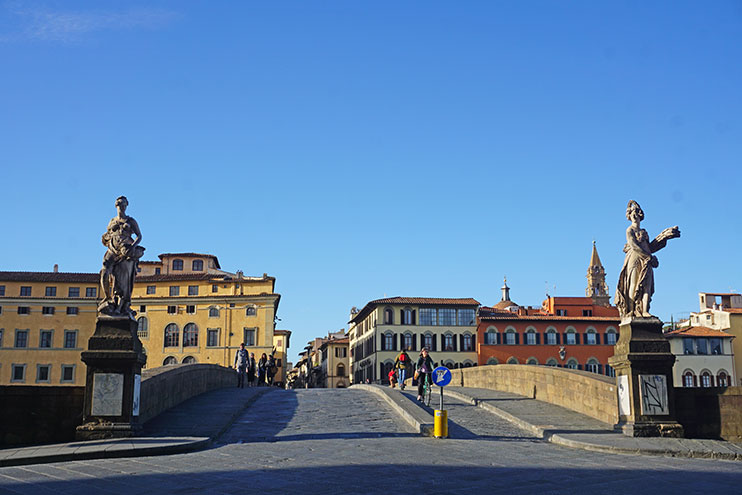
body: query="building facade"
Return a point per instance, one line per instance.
(188, 311)
(281, 342)
(334, 362)
(379, 331)
(703, 357)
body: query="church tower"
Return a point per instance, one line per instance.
(596, 286)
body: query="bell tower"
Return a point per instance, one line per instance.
(596, 286)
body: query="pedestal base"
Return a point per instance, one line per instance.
(654, 429)
(101, 430)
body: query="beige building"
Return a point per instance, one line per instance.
(281, 342)
(334, 362)
(703, 357)
(722, 311)
(188, 311)
(379, 331)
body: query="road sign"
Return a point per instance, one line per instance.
(441, 376)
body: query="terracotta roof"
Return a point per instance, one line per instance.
(150, 262)
(190, 255)
(505, 304)
(513, 316)
(697, 332)
(49, 277)
(733, 310)
(584, 301)
(467, 301)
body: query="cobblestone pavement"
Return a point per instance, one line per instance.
(348, 441)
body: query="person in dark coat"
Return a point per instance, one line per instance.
(262, 369)
(251, 369)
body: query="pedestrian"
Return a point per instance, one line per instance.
(251, 365)
(262, 367)
(402, 364)
(271, 369)
(424, 371)
(392, 378)
(240, 364)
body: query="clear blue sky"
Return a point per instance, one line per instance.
(357, 149)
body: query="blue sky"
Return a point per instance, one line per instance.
(357, 149)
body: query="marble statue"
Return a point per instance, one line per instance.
(120, 262)
(636, 281)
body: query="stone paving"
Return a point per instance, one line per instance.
(349, 441)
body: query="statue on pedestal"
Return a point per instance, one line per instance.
(636, 281)
(120, 262)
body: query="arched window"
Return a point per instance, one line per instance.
(450, 365)
(706, 379)
(513, 360)
(689, 379)
(722, 379)
(490, 336)
(609, 371)
(428, 341)
(511, 336)
(493, 361)
(388, 316)
(340, 369)
(213, 312)
(552, 338)
(169, 361)
(467, 364)
(407, 317)
(532, 360)
(591, 337)
(142, 327)
(593, 365)
(197, 265)
(572, 364)
(190, 335)
(610, 336)
(408, 341)
(388, 341)
(468, 346)
(551, 362)
(189, 360)
(178, 265)
(172, 335)
(448, 342)
(251, 311)
(385, 369)
(531, 336)
(570, 336)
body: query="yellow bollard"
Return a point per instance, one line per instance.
(440, 424)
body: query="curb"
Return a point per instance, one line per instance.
(559, 439)
(416, 417)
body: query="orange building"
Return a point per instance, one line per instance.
(568, 332)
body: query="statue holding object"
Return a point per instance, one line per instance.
(636, 281)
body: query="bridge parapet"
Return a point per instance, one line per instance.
(581, 391)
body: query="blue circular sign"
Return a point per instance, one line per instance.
(441, 376)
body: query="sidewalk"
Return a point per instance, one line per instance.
(189, 426)
(562, 426)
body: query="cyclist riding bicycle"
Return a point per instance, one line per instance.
(424, 372)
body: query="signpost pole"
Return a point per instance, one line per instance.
(441, 377)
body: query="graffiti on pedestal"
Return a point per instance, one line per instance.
(653, 389)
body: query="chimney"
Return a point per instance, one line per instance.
(56, 268)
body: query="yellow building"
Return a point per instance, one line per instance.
(189, 311)
(334, 362)
(281, 342)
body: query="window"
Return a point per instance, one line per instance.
(688, 347)
(388, 316)
(190, 335)
(174, 290)
(571, 337)
(47, 310)
(722, 379)
(532, 360)
(510, 337)
(701, 346)
(191, 309)
(193, 290)
(706, 380)
(214, 288)
(212, 337)
(2, 331)
(2, 290)
(561, 312)
(171, 310)
(340, 370)
(50, 292)
(572, 364)
(21, 338)
(388, 341)
(587, 312)
(42, 373)
(530, 337)
(407, 317)
(428, 339)
(513, 360)
(170, 360)
(551, 362)
(428, 316)
(408, 341)
(172, 335)
(73, 292)
(610, 371)
(72, 310)
(448, 342)
(447, 316)
(158, 271)
(197, 265)
(490, 336)
(25, 291)
(142, 308)
(18, 373)
(551, 336)
(610, 337)
(178, 265)
(214, 312)
(91, 292)
(688, 379)
(592, 365)
(493, 361)
(590, 337)
(467, 317)
(68, 373)
(142, 327)
(151, 289)
(70, 339)
(715, 345)
(45, 339)
(249, 336)
(24, 310)
(189, 360)
(467, 343)
(251, 311)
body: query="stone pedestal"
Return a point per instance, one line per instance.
(114, 362)
(643, 364)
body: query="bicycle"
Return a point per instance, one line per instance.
(427, 390)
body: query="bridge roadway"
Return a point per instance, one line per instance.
(349, 441)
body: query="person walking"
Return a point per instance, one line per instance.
(251, 368)
(262, 368)
(271, 369)
(402, 364)
(240, 364)
(424, 371)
